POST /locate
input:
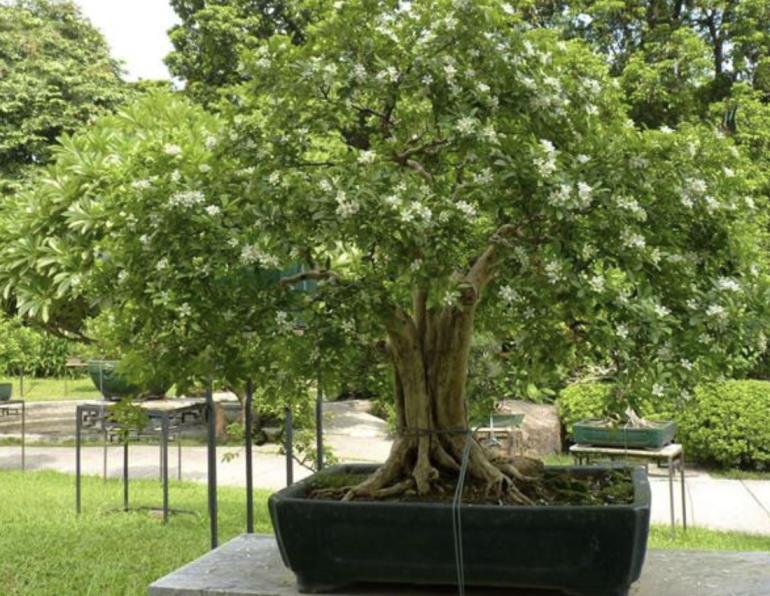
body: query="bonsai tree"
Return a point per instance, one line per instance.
(461, 162)
(445, 169)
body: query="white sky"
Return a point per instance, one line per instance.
(136, 32)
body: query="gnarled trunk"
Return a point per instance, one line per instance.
(430, 349)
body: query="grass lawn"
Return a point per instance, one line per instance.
(46, 550)
(50, 389)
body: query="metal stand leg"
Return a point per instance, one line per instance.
(212, 467)
(104, 455)
(319, 425)
(77, 460)
(249, 461)
(125, 474)
(288, 446)
(179, 456)
(160, 456)
(684, 494)
(164, 466)
(23, 436)
(671, 490)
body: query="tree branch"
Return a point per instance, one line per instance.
(418, 167)
(481, 271)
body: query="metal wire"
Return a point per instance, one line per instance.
(457, 530)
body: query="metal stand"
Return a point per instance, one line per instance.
(97, 414)
(212, 467)
(18, 407)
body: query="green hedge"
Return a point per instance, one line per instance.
(723, 424)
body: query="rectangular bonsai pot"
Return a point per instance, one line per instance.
(600, 432)
(585, 550)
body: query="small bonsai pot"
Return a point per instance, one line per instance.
(6, 389)
(604, 433)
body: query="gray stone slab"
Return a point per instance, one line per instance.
(252, 566)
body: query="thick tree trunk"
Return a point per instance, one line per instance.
(430, 351)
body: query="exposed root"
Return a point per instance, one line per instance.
(394, 490)
(393, 469)
(424, 473)
(443, 458)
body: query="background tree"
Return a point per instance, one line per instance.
(56, 75)
(213, 33)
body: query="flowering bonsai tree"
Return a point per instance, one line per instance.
(444, 168)
(464, 162)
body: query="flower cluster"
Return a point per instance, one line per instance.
(187, 198)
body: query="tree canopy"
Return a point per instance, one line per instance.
(56, 75)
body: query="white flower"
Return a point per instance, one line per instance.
(553, 271)
(210, 142)
(346, 207)
(728, 284)
(508, 294)
(597, 283)
(583, 158)
(427, 80)
(348, 326)
(415, 266)
(282, 321)
(716, 311)
(729, 172)
(661, 310)
(274, 178)
(665, 129)
(123, 276)
(450, 71)
(141, 184)
(367, 157)
(359, 73)
(392, 201)
(560, 197)
(507, 8)
(686, 364)
(176, 176)
(325, 185)
(186, 198)
(162, 264)
(389, 75)
(204, 168)
(466, 125)
(251, 254)
(591, 109)
(468, 210)
(633, 239)
(144, 239)
(489, 134)
(184, 310)
(417, 210)
(697, 186)
(213, 210)
(451, 298)
(482, 87)
(483, 177)
(585, 193)
(547, 146)
(621, 331)
(657, 390)
(633, 206)
(173, 150)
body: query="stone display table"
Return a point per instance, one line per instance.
(250, 565)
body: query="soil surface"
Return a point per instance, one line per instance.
(553, 487)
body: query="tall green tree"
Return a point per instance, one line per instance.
(56, 75)
(212, 35)
(448, 168)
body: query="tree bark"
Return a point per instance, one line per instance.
(430, 350)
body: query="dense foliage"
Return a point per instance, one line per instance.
(56, 75)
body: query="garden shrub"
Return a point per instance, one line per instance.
(583, 400)
(724, 424)
(33, 352)
(728, 424)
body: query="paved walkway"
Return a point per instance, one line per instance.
(355, 436)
